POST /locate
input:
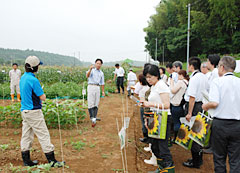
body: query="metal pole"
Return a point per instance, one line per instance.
(156, 50)
(188, 36)
(163, 55)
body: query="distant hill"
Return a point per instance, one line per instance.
(8, 56)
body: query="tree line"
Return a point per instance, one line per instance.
(215, 28)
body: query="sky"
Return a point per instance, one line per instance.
(107, 29)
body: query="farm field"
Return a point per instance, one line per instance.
(94, 149)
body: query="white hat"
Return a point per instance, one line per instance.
(33, 61)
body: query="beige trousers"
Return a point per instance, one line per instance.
(14, 87)
(93, 96)
(34, 123)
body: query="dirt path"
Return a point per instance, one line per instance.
(97, 149)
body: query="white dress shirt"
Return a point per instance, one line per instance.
(137, 87)
(197, 84)
(120, 72)
(131, 76)
(143, 91)
(225, 91)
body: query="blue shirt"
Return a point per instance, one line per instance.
(96, 77)
(30, 90)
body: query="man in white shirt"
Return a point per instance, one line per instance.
(193, 96)
(212, 64)
(119, 73)
(15, 75)
(224, 97)
(132, 78)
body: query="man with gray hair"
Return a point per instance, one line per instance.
(177, 66)
(224, 98)
(205, 70)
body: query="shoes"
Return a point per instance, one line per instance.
(94, 122)
(144, 140)
(152, 160)
(147, 149)
(18, 98)
(189, 164)
(208, 151)
(12, 96)
(98, 119)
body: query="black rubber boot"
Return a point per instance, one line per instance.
(26, 159)
(129, 92)
(51, 159)
(91, 112)
(95, 113)
(196, 160)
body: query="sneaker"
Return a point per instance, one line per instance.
(147, 148)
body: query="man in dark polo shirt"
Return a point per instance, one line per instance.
(33, 119)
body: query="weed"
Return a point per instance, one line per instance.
(105, 156)
(79, 145)
(4, 146)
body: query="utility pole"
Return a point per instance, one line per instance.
(163, 55)
(188, 36)
(156, 50)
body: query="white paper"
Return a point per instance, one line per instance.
(126, 122)
(83, 92)
(122, 135)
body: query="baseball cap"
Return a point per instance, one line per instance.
(33, 61)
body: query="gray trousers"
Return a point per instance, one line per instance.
(226, 142)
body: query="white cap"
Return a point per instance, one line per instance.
(33, 61)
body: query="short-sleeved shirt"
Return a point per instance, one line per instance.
(212, 76)
(157, 89)
(96, 77)
(30, 90)
(225, 91)
(174, 76)
(197, 84)
(15, 76)
(143, 91)
(131, 76)
(137, 87)
(119, 72)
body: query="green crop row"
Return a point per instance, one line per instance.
(69, 90)
(69, 111)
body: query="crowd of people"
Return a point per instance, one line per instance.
(181, 95)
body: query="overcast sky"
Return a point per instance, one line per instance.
(109, 29)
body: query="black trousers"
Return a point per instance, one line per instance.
(196, 149)
(120, 81)
(160, 146)
(226, 142)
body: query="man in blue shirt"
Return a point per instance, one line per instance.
(33, 119)
(95, 80)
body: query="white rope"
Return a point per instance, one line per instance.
(60, 134)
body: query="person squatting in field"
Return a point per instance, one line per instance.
(15, 75)
(95, 80)
(33, 119)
